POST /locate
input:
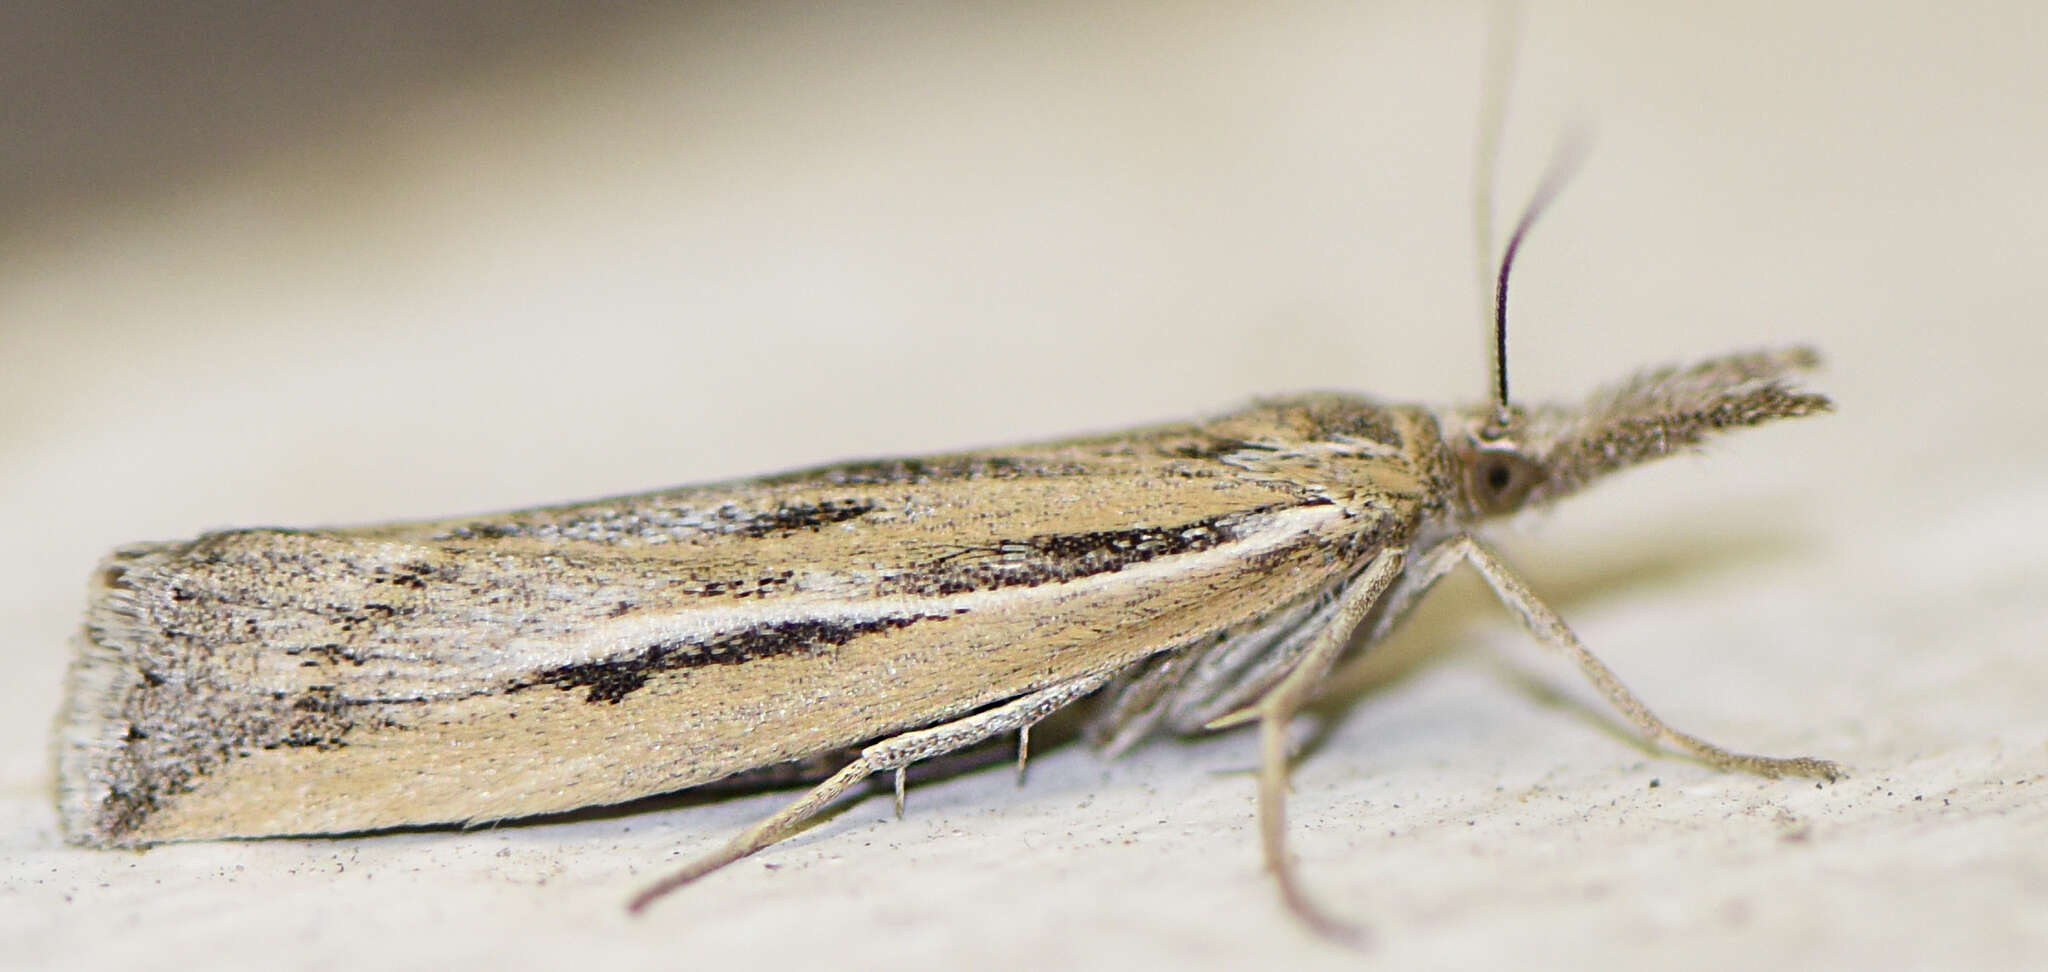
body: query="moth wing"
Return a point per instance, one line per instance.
(269, 681)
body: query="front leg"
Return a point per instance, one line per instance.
(1550, 629)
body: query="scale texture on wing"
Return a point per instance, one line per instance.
(313, 681)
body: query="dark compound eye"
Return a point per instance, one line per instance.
(1499, 479)
(1498, 476)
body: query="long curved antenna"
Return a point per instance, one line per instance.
(1503, 32)
(1570, 152)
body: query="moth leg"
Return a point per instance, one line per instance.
(1278, 705)
(1231, 708)
(1138, 698)
(1552, 632)
(894, 753)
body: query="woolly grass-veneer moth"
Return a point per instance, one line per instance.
(268, 682)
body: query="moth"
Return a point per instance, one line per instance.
(268, 682)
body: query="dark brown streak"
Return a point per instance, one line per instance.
(613, 680)
(794, 517)
(1053, 558)
(609, 525)
(943, 468)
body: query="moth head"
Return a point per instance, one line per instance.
(1509, 459)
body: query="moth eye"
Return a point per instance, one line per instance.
(1500, 479)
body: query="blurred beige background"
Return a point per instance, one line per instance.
(331, 264)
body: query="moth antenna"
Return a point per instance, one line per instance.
(1563, 164)
(1497, 74)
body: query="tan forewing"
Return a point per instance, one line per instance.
(262, 682)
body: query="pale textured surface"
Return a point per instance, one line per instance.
(680, 247)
